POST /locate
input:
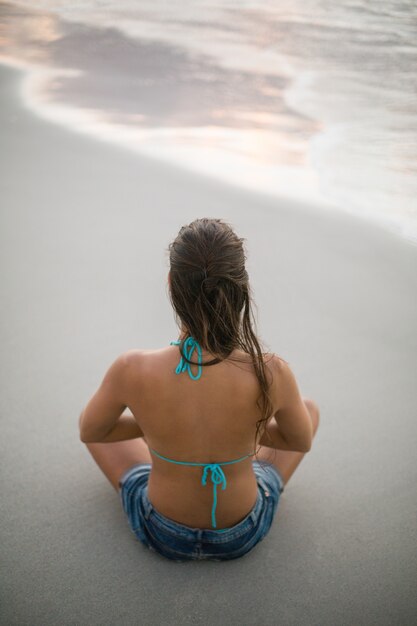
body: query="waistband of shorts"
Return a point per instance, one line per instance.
(203, 533)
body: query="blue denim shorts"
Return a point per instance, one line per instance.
(183, 543)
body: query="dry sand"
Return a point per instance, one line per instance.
(85, 226)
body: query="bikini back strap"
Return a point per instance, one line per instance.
(216, 474)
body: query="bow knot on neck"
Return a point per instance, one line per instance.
(189, 345)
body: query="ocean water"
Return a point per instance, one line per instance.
(308, 99)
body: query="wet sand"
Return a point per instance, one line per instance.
(85, 227)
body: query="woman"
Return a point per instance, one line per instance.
(194, 464)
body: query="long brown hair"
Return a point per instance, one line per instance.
(211, 297)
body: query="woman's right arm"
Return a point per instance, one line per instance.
(290, 428)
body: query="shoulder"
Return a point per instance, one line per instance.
(127, 371)
(117, 373)
(275, 364)
(279, 374)
(127, 360)
(136, 361)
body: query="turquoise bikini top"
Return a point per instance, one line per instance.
(216, 473)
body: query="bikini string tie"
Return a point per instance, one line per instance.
(189, 345)
(217, 478)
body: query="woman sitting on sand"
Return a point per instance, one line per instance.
(194, 465)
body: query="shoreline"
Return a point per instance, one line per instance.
(81, 123)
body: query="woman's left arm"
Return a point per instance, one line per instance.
(102, 420)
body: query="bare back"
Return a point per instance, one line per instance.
(210, 420)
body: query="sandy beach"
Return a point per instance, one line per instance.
(84, 231)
